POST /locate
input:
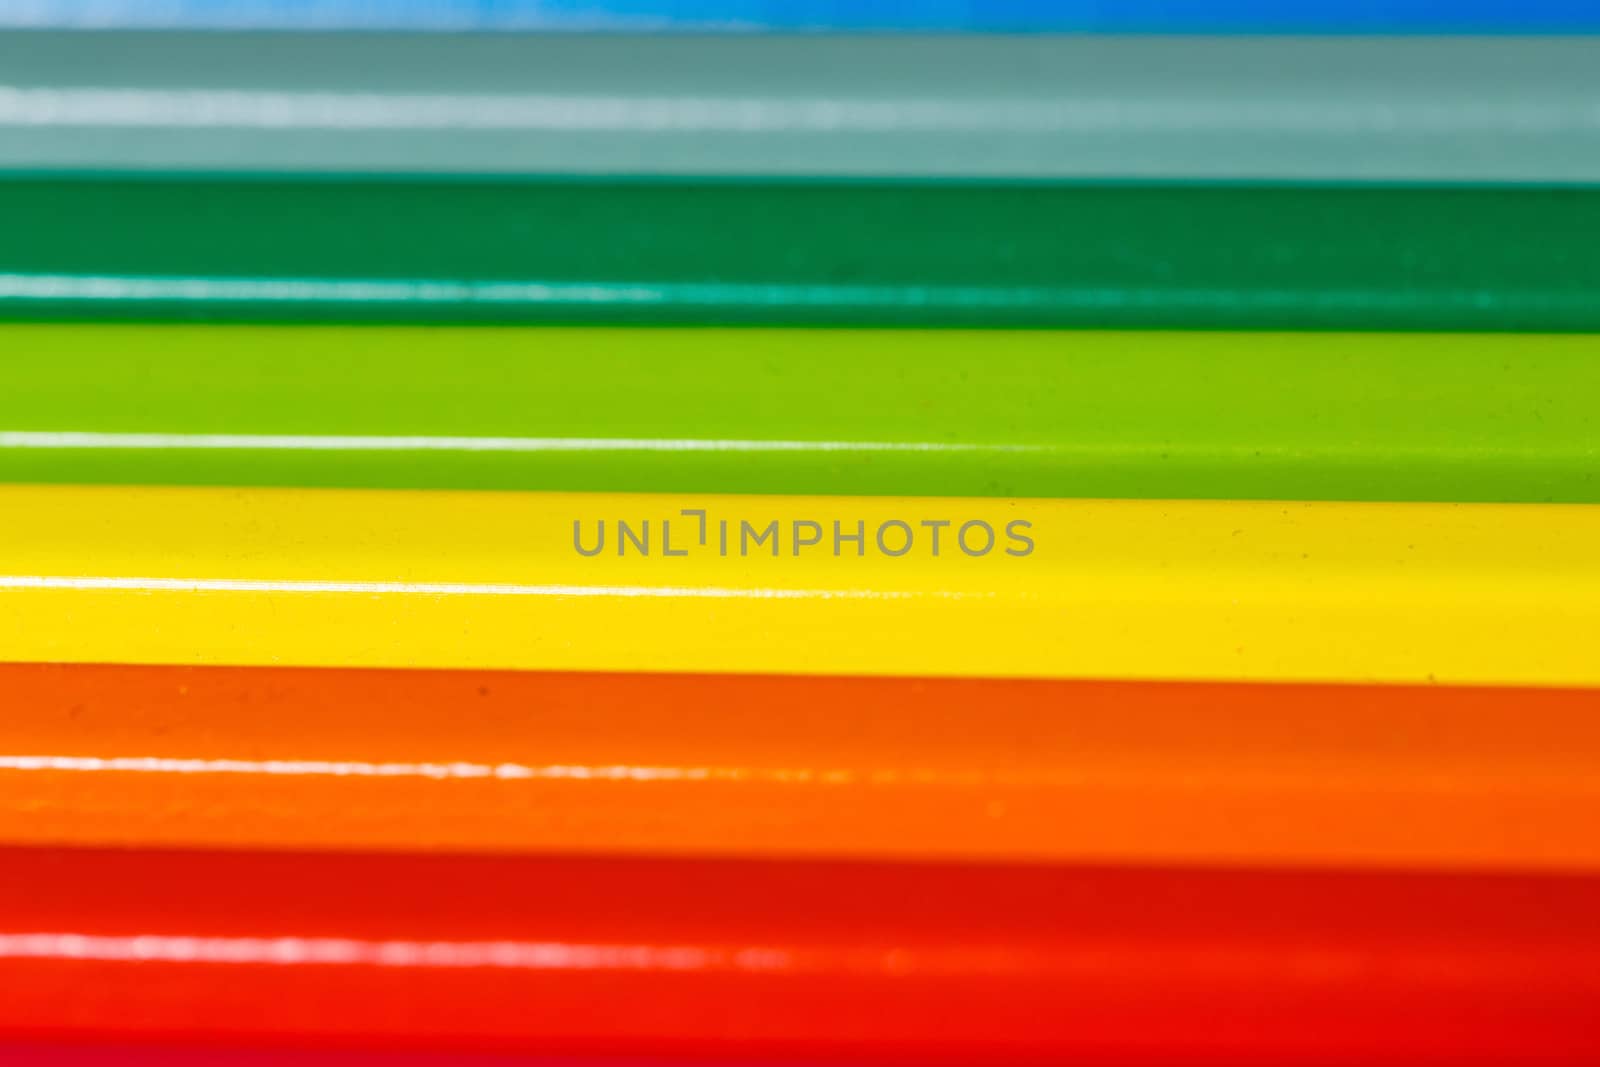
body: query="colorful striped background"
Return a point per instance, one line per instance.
(770, 615)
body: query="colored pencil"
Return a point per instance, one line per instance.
(796, 252)
(1485, 594)
(657, 16)
(824, 961)
(975, 769)
(1416, 109)
(1004, 413)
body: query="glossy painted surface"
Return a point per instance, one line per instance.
(1250, 775)
(1420, 109)
(1449, 593)
(845, 963)
(938, 412)
(777, 252)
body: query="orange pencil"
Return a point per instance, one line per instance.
(1430, 777)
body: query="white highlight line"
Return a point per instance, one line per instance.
(73, 287)
(464, 770)
(349, 952)
(1373, 114)
(363, 769)
(318, 290)
(67, 440)
(274, 585)
(76, 439)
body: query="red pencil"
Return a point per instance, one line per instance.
(752, 960)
